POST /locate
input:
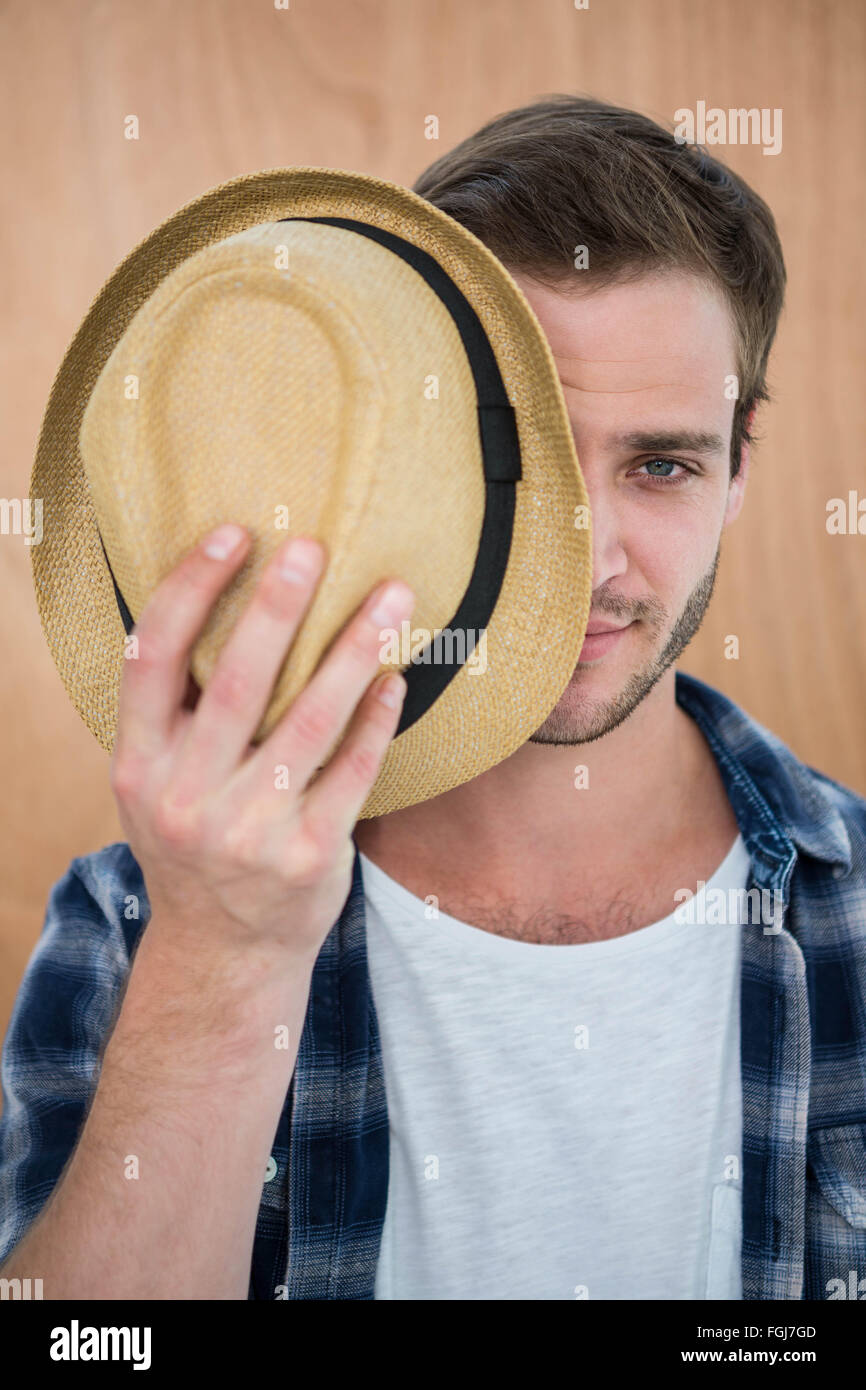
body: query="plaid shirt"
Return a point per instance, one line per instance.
(803, 1048)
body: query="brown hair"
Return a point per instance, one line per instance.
(568, 171)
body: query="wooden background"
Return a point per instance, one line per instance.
(225, 87)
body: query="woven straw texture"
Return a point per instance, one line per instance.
(231, 369)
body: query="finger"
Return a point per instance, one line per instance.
(317, 718)
(230, 709)
(336, 797)
(155, 678)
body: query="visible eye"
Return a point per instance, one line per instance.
(666, 478)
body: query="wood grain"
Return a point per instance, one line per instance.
(224, 87)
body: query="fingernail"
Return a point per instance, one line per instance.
(396, 599)
(220, 543)
(392, 690)
(299, 561)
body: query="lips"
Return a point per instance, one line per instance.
(599, 639)
(593, 629)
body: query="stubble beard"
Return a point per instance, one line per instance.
(575, 720)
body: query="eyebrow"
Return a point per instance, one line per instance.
(695, 441)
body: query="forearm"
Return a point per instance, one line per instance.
(160, 1198)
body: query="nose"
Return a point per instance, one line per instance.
(609, 558)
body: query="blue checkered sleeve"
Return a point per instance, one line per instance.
(62, 1018)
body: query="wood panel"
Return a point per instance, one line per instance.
(223, 87)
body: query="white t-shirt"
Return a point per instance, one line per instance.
(565, 1121)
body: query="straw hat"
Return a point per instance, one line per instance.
(313, 351)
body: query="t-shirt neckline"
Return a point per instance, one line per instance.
(732, 871)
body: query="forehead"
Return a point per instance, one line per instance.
(665, 331)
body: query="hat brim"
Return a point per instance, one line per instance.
(537, 628)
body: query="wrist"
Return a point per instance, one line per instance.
(201, 1012)
(244, 969)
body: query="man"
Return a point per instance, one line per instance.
(508, 1064)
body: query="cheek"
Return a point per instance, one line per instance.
(674, 545)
